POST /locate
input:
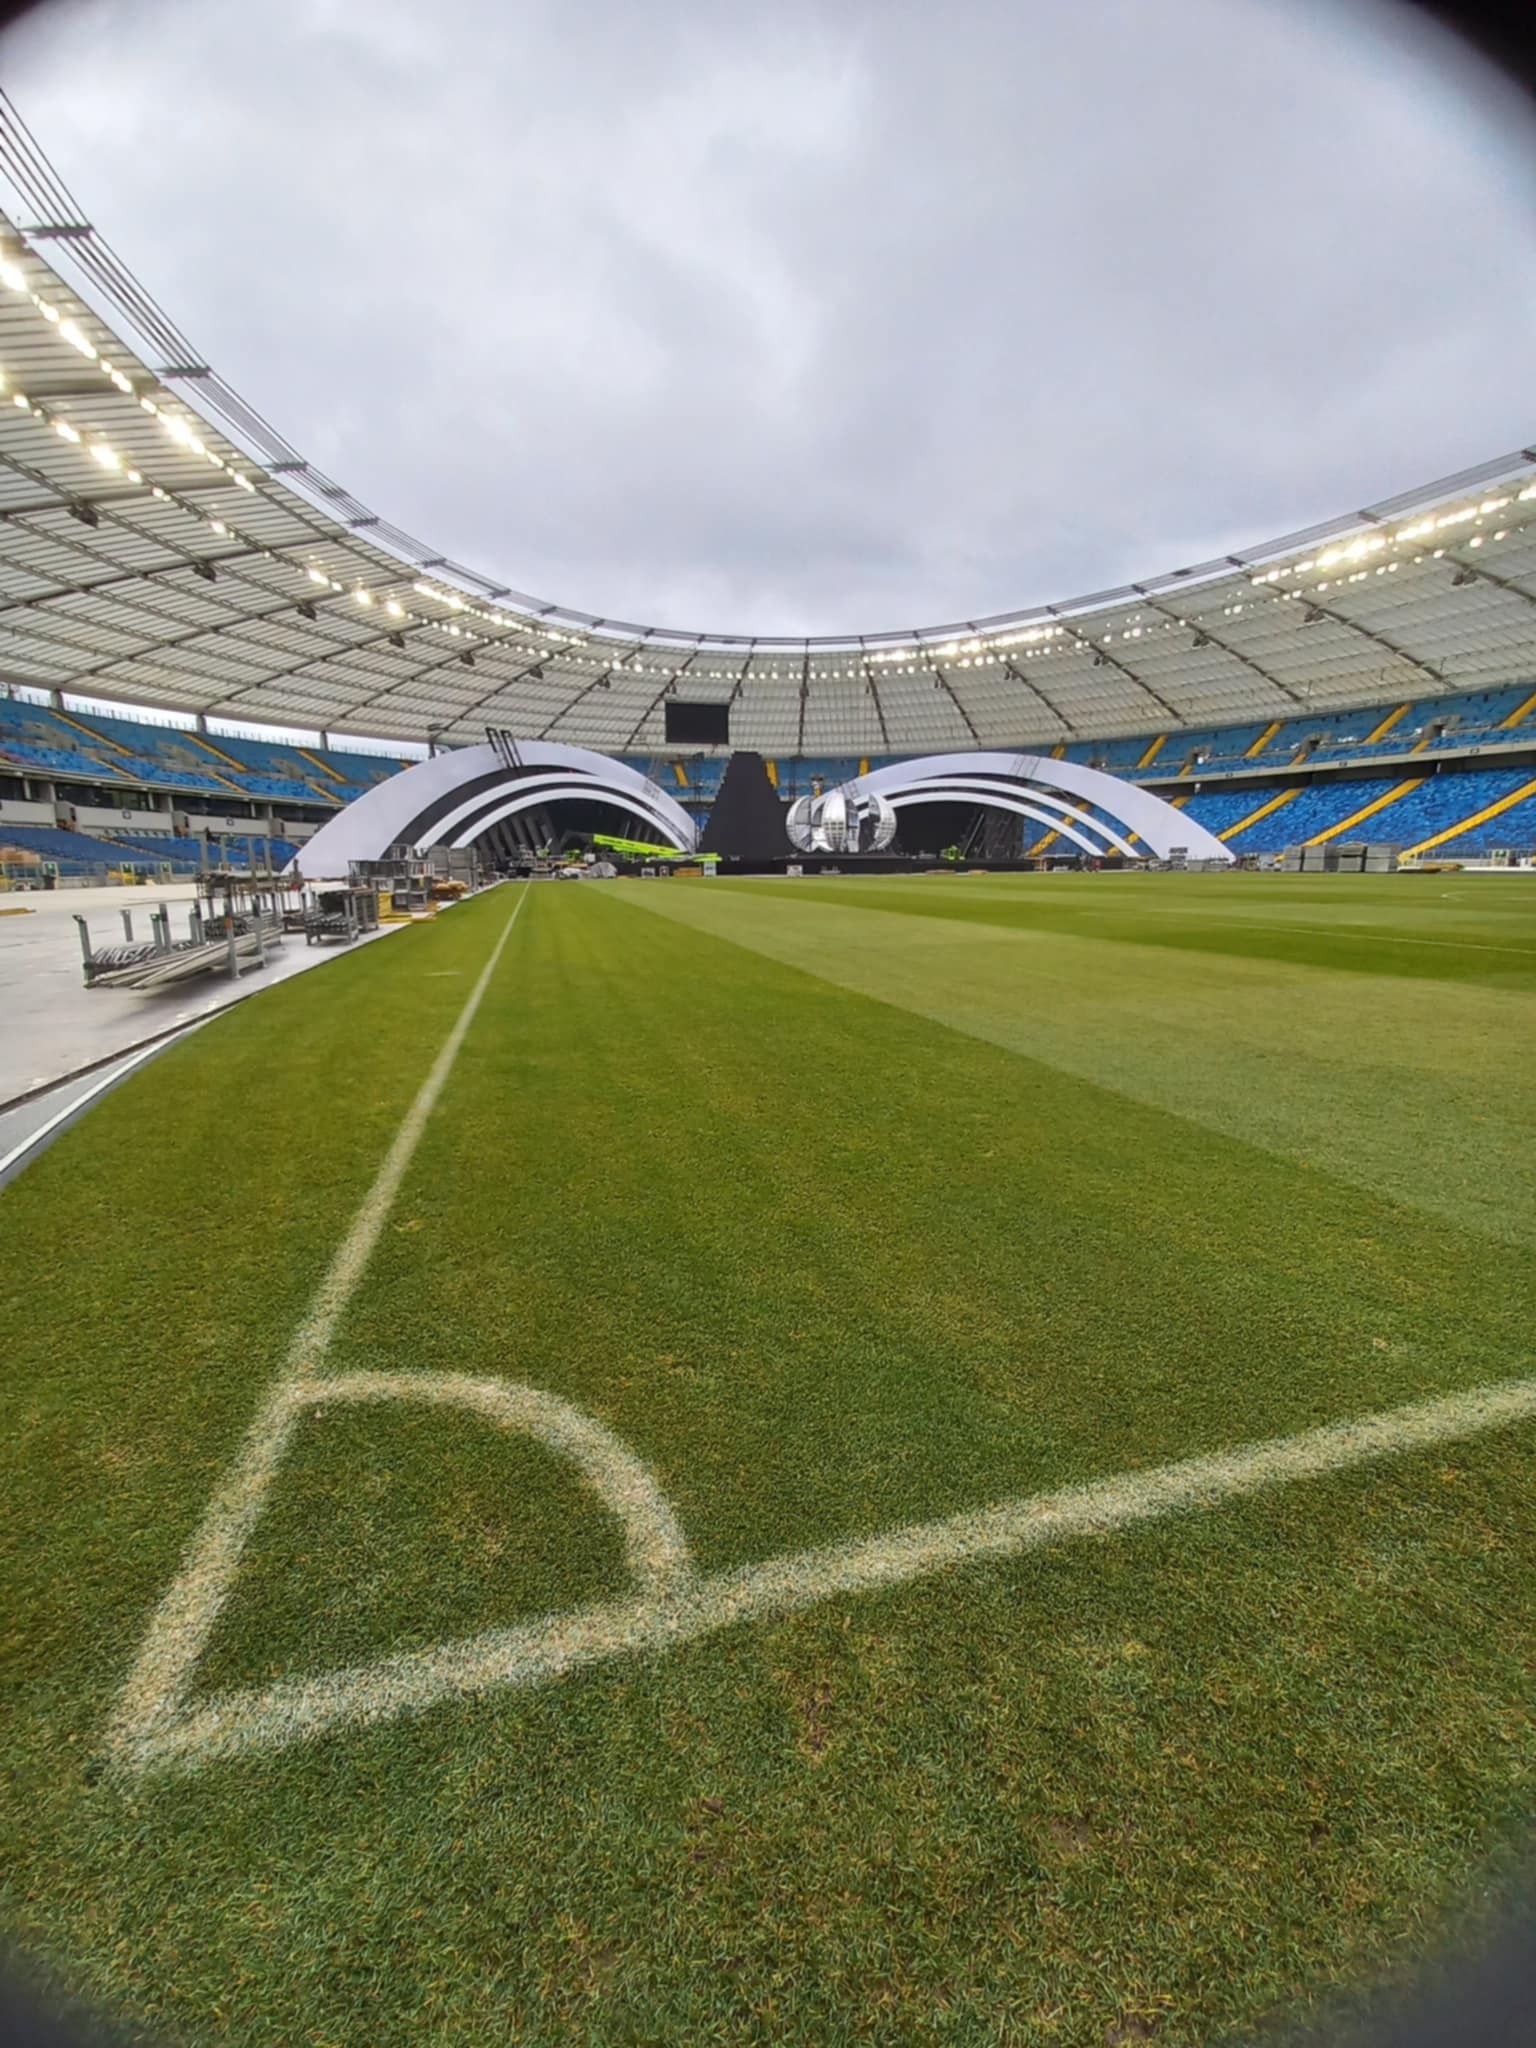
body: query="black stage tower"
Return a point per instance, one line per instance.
(746, 821)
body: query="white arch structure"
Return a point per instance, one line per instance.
(1036, 787)
(455, 797)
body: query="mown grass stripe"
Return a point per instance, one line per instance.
(179, 1630)
(969, 1212)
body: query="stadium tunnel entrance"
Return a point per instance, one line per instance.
(561, 824)
(936, 828)
(975, 831)
(1061, 804)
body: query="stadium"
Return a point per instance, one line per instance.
(905, 1415)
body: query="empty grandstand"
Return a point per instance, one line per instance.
(193, 562)
(718, 1456)
(228, 578)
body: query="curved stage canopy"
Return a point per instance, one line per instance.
(455, 797)
(1099, 813)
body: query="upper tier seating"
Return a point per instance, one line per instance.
(60, 760)
(1123, 756)
(1473, 719)
(159, 754)
(107, 750)
(97, 748)
(139, 768)
(270, 769)
(1476, 720)
(361, 771)
(33, 725)
(1181, 753)
(122, 754)
(78, 747)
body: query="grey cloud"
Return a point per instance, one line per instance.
(818, 318)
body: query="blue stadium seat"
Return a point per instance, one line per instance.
(39, 740)
(1514, 828)
(59, 760)
(1314, 809)
(361, 771)
(169, 757)
(1220, 809)
(61, 744)
(1447, 798)
(73, 853)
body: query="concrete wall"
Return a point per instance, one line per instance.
(267, 826)
(221, 822)
(15, 811)
(90, 818)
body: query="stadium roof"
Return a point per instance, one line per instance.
(161, 544)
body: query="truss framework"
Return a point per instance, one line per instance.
(161, 543)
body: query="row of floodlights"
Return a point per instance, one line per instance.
(184, 434)
(1347, 553)
(976, 652)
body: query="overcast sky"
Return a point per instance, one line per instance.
(788, 317)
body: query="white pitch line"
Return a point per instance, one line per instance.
(313, 1337)
(180, 1628)
(155, 1722)
(688, 1606)
(78, 1102)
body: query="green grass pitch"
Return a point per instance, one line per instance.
(845, 1205)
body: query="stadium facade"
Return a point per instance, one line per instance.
(162, 546)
